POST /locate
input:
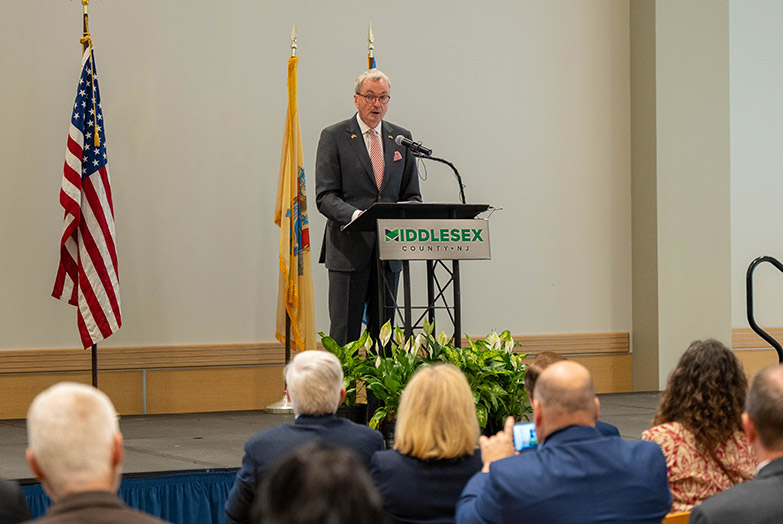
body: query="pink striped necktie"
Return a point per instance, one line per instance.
(376, 156)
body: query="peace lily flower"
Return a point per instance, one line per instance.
(443, 339)
(385, 334)
(418, 342)
(493, 340)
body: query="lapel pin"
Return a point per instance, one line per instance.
(353, 136)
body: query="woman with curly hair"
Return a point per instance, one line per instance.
(698, 425)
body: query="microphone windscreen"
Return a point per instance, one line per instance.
(398, 140)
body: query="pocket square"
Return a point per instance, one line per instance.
(397, 156)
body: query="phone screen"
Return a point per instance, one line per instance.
(525, 436)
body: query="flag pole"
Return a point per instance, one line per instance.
(287, 316)
(86, 42)
(283, 405)
(370, 48)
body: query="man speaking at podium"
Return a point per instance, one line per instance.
(357, 164)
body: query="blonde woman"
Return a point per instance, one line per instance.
(434, 452)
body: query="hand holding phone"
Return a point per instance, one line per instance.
(525, 436)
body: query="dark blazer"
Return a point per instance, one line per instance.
(421, 491)
(13, 507)
(606, 429)
(269, 447)
(345, 182)
(577, 475)
(95, 507)
(757, 501)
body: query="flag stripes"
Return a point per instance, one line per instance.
(88, 276)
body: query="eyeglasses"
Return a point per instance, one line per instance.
(383, 99)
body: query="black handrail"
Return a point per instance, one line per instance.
(749, 294)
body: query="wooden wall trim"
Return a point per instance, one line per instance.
(145, 357)
(746, 338)
(258, 354)
(575, 343)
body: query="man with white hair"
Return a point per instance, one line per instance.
(314, 385)
(75, 449)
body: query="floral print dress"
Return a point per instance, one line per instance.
(693, 477)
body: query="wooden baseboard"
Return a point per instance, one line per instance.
(226, 377)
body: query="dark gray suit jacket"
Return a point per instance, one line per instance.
(345, 182)
(757, 501)
(13, 507)
(265, 449)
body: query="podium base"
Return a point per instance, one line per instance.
(281, 406)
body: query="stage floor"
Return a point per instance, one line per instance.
(199, 441)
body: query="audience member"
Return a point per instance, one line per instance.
(698, 425)
(75, 449)
(539, 364)
(434, 454)
(757, 501)
(318, 484)
(13, 507)
(576, 475)
(314, 385)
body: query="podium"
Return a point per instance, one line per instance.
(436, 233)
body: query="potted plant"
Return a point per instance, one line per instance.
(494, 371)
(351, 357)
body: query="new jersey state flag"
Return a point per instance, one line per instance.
(295, 283)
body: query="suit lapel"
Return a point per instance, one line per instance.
(359, 146)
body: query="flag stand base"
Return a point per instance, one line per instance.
(281, 406)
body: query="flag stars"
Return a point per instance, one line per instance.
(100, 116)
(95, 162)
(88, 135)
(82, 92)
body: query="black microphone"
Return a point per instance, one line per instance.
(415, 147)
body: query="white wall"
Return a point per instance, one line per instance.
(529, 99)
(756, 31)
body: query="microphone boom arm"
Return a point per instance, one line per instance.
(456, 173)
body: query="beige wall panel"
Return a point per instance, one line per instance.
(124, 389)
(754, 360)
(201, 390)
(611, 373)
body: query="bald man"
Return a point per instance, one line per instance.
(577, 474)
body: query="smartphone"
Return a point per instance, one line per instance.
(525, 436)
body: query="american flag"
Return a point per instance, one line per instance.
(87, 276)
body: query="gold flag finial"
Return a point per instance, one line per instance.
(293, 40)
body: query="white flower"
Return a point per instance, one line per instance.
(386, 332)
(443, 339)
(493, 340)
(420, 339)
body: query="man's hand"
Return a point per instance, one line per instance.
(498, 446)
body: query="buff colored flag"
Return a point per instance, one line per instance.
(295, 289)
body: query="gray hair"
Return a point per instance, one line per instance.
(70, 430)
(314, 380)
(370, 74)
(764, 406)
